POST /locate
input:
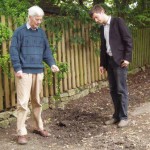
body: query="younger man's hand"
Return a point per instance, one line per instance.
(124, 63)
(101, 69)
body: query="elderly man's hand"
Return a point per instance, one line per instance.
(54, 68)
(19, 74)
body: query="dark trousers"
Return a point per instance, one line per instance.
(117, 77)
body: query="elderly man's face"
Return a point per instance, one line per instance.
(35, 21)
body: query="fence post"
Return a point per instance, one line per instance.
(12, 80)
(6, 81)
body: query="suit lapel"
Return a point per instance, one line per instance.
(102, 31)
(111, 25)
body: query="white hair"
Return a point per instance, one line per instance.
(35, 11)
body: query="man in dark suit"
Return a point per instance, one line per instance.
(115, 55)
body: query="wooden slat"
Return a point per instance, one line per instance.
(68, 58)
(84, 55)
(72, 63)
(1, 92)
(59, 60)
(88, 56)
(143, 42)
(45, 86)
(80, 57)
(92, 59)
(144, 48)
(144, 45)
(96, 67)
(51, 89)
(141, 50)
(12, 80)
(54, 74)
(64, 60)
(6, 81)
(98, 60)
(76, 55)
(147, 32)
(136, 50)
(148, 45)
(134, 47)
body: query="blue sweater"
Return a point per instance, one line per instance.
(29, 48)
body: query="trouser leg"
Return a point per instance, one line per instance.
(113, 92)
(121, 77)
(117, 77)
(23, 87)
(36, 101)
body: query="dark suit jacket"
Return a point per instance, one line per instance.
(120, 41)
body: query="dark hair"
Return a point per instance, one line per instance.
(97, 8)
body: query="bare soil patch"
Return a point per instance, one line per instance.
(80, 126)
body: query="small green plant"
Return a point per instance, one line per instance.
(60, 75)
(5, 33)
(94, 32)
(63, 67)
(4, 61)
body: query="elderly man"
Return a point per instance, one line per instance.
(29, 48)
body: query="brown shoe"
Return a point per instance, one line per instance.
(22, 140)
(43, 133)
(123, 123)
(111, 121)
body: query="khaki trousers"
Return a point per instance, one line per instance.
(29, 86)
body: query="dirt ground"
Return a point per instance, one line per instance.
(80, 126)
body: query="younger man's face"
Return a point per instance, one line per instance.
(98, 17)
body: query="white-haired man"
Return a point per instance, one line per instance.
(29, 48)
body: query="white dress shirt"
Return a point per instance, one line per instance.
(106, 35)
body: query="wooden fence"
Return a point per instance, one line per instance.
(82, 60)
